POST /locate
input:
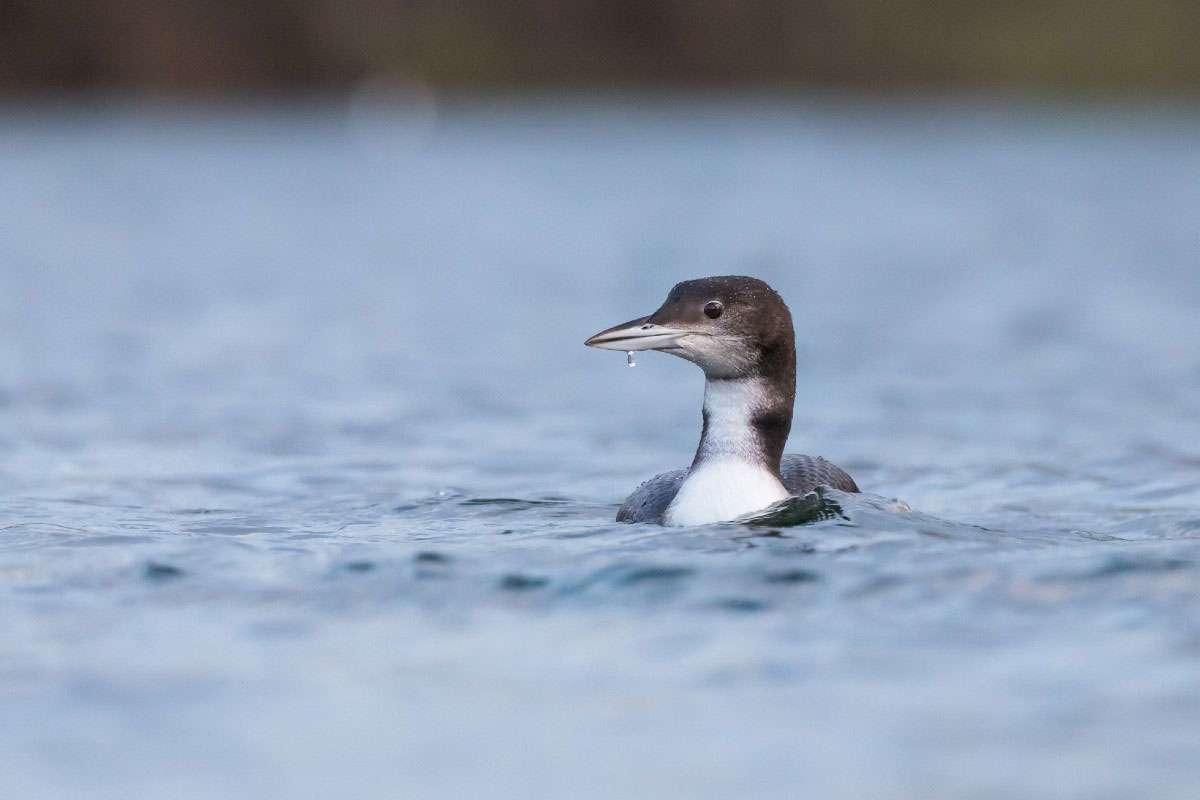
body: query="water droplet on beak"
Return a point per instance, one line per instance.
(629, 358)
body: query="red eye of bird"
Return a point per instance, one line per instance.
(713, 309)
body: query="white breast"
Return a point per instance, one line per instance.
(721, 489)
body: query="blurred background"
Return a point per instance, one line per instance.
(215, 46)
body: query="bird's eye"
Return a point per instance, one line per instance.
(713, 309)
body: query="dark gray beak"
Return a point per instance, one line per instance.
(637, 334)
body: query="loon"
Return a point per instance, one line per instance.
(739, 331)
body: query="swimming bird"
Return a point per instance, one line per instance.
(739, 331)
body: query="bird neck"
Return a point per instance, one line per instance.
(746, 419)
(736, 468)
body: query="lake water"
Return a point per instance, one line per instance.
(307, 480)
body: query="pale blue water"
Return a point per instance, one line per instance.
(306, 479)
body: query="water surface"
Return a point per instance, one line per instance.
(307, 481)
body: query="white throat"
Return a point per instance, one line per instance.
(729, 477)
